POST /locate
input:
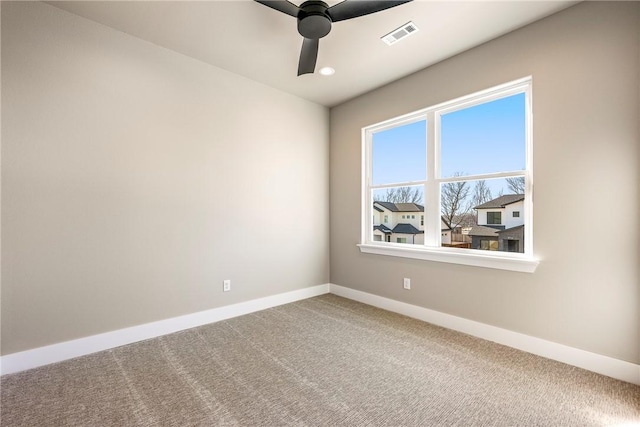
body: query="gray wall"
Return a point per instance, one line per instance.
(135, 180)
(586, 291)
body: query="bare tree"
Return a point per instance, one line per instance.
(481, 194)
(400, 195)
(516, 184)
(453, 202)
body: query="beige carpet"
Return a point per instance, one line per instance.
(325, 361)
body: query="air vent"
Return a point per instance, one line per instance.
(400, 33)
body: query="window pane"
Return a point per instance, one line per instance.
(485, 138)
(494, 217)
(399, 154)
(480, 214)
(396, 215)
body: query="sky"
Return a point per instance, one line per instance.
(482, 139)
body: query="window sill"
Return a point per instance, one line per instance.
(503, 261)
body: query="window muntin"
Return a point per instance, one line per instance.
(440, 170)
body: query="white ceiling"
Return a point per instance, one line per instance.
(262, 44)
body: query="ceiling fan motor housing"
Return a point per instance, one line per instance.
(313, 20)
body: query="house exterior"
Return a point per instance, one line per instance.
(403, 223)
(500, 225)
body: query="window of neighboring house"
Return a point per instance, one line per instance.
(489, 245)
(474, 151)
(386, 219)
(494, 218)
(516, 214)
(413, 217)
(512, 245)
(377, 238)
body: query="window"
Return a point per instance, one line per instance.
(386, 219)
(460, 164)
(489, 245)
(494, 218)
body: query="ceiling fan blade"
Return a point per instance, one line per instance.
(354, 8)
(308, 56)
(281, 6)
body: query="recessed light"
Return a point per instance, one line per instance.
(327, 71)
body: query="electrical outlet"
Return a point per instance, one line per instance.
(407, 283)
(226, 285)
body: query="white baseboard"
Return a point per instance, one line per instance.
(604, 365)
(28, 359)
(594, 362)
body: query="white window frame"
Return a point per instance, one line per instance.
(432, 249)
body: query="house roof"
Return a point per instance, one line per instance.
(511, 229)
(444, 220)
(407, 207)
(382, 228)
(400, 207)
(482, 231)
(406, 229)
(501, 202)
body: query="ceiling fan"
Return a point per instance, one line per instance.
(315, 18)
